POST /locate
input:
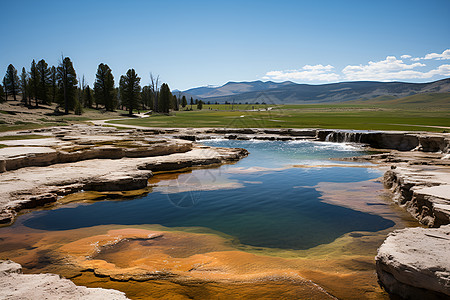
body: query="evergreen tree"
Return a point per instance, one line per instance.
(183, 101)
(165, 97)
(78, 109)
(147, 96)
(2, 94)
(53, 84)
(24, 87)
(174, 103)
(192, 102)
(12, 81)
(104, 87)
(88, 97)
(44, 81)
(116, 97)
(34, 81)
(130, 90)
(4, 88)
(67, 84)
(200, 105)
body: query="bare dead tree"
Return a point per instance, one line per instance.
(154, 86)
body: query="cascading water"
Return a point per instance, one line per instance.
(329, 137)
(343, 137)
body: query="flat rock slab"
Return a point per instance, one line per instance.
(14, 286)
(45, 142)
(441, 191)
(414, 263)
(9, 152)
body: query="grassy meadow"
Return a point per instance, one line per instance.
(413, 113)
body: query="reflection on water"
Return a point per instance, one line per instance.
(258, 220)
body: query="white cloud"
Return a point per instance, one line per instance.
(385, 70)
(442, 56)
(306, 73)
(389, 69)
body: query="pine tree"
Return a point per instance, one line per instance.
(174, 103)
(4, 88)
(53, 83)
(78, 109)
(200, 105)
(12, 81)
(2, 94)
(34, 81)
(183, 101)
(67, 84)
(192, 102)
(130, 90)
(24, 87)
(147, 96)
(165, 97)
(104, 87)
(44, 81)
(88, 97)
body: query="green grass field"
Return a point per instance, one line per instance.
(413, 113)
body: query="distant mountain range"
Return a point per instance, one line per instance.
(290, 92)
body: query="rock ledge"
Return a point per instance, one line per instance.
(414, 263)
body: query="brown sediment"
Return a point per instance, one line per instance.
(153, 261)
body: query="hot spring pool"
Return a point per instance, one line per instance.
(261, 201)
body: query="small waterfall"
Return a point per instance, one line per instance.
(343, 137)
(347, 137)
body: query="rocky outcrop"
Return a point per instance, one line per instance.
(425, 196)
(81, 148)
(15, 285)
(414, 263)
(402, 141)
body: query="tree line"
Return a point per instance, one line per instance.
(44, 85)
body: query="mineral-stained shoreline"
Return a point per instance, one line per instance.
(82, 158)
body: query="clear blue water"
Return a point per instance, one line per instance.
(278, 207)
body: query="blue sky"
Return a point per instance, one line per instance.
(196, 43)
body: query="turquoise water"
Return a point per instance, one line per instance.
(273, 205)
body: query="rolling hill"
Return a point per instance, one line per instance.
(417, 101)
(292, 93)
(235, 88)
